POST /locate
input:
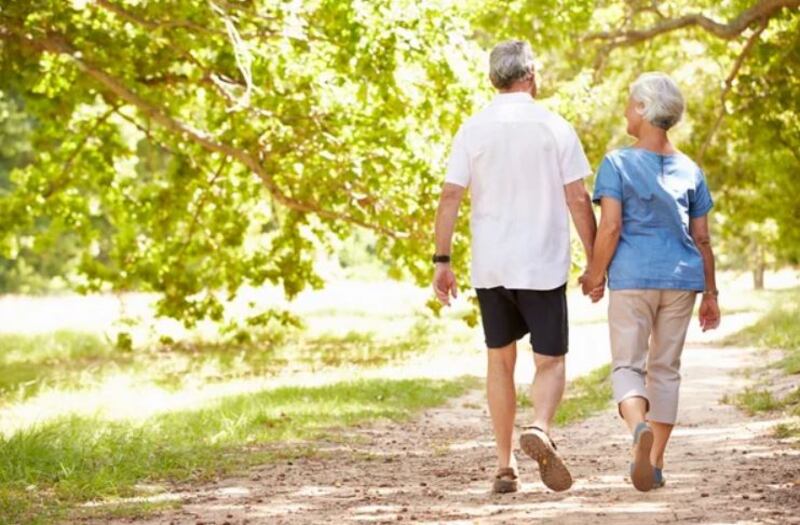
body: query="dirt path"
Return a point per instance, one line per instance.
(722, 467)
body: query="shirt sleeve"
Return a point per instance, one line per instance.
(458, 165)
(572, 160)
(700, 201)
(608, 182)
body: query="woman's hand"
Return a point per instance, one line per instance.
(709, 313)
(592, 285)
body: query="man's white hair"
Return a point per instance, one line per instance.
(660, 97)
(510, 61)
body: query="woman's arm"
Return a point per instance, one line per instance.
(709, 309)
(604, 246)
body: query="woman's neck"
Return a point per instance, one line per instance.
(656, 140)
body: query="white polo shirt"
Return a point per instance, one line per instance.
(516, 156)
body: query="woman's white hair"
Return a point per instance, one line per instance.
(661, 100)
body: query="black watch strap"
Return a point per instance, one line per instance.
(441, 258)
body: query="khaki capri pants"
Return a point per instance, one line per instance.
(648, 331)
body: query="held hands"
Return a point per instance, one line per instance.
(444, 283)
(592, 285)
(709, 313)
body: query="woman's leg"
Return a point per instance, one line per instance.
(633, 411)
(631, 315)
(663, 366)
(630, 320)
(661, 432)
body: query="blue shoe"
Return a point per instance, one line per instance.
(642, 474)
(658, 478)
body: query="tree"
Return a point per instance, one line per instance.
(737, 63)
(194, 147)
(190, 148)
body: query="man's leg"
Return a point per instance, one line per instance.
(502, 399)
(545, 313)
(548, 388)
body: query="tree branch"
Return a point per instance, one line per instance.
(159, 25)
(735, 27)
(65, 176)
(737, 65)
(153, 25)
(201, 205)
(793, 150)
(57, 44)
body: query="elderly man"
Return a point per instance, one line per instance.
(524, 166)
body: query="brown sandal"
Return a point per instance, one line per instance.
(538, 445)
(505, 480)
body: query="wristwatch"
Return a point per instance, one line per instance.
(713, 293)
(441, 258)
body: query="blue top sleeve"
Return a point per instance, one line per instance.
(608, 182)
(700, 202)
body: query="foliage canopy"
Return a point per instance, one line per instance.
(190, 147)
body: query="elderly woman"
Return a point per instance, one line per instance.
(653, 239)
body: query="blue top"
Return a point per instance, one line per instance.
(659, 194)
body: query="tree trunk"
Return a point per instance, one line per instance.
(758, 272)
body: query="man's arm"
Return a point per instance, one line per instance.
(444, 281)
(605, 245)
(709, 309)
(580, 208)
(446, 216)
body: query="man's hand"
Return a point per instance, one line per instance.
(709, 313)
(444, 283)
(592, 285)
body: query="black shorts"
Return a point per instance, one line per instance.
(508, 315)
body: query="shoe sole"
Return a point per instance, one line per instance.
(642, 474)
(552, 469)
(504, 486)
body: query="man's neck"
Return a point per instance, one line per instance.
(519, 87)
(514, 90)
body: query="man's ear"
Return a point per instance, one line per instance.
(534, 87)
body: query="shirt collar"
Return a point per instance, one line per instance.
(511, 98)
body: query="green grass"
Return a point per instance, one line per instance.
(790, 363)
(48, 468)
(786, 430)
(751, 300)
(29, 362)
(587, 395)
(66, 359)
(363, 349)
(78, 459)
(184, 361)
(753, 400)
(778, 328)
(584, 396)
(791, 402)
